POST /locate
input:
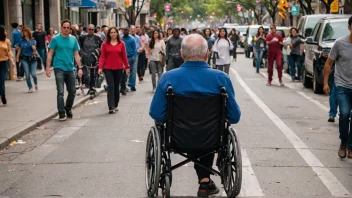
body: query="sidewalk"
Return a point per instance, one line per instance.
(25, 111)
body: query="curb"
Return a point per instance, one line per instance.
(4, 142)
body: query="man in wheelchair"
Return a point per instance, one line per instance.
(196, 79)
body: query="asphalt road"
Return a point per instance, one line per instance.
(289, 149)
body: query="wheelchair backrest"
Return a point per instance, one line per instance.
(195, 124)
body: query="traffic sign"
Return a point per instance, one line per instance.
(167, 7)
(294, 10)
(334, 7)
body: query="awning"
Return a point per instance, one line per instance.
(82, 3)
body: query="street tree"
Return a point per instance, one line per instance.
(327, 4)
(249, 4)
(306, 5)
(221, 8)
(132, 10)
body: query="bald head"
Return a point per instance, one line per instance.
(91, 28)
(194, 47)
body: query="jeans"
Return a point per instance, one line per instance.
(113, 78)
(42, 54)
(224, 68)
(206, 161)
(332, 98)
(259, 56)
(155, 66)
(234, 52)
(30, 69)
(141, 65)
(65, 77)
(19, 69)
(277, 57)
(133, 72)
(3, 70)
(295, 61)
(173, 63)
(344, 99)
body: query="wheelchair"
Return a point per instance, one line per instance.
(194, 125)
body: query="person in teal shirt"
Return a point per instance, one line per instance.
(64, 48)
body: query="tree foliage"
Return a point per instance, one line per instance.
(131, 13)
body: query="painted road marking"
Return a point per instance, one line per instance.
(328, 179)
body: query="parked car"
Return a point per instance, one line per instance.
(317, 49)
(248, 42)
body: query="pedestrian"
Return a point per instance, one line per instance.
(16, 40)
(131, 50)
(6, 56)
(64, 48)
(139, 49)
(113, 61)
(210, 41)
(196, 79)
(142, 56)
(173, 48)
(39, 35)
(341, 54)
(222, 49)
(234, 38)
(156, 51)
(49, 36)
(332, 96)
(260, 47)
(28, 54)
(295, 55)
(274, 41)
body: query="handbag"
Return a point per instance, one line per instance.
(33, 57)
(98, 81)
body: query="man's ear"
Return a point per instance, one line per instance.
(182, 54)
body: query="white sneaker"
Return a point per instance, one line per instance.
(30, 91)
(153, 90)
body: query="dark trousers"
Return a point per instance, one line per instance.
(3, 72)
(344, 99)
(206, 161)
(113, 78)
(19, 69)
(234, 52)
(65, 77)
(277, 57)
(295, 61)
(141, 65)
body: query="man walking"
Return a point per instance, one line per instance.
(39, 35)
(16, 39)
(131, 51)
(65, 47)
(275, 41)
(142, 57)
(341, 55)
(173, 50)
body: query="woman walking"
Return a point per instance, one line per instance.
(156, 51)
(28, 56)
(234, 39)
(295, 55)
(260, 46)
(222, 49)
(210, 41)
(112, 61)
(5, 56)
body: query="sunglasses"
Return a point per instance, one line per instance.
(66, 28)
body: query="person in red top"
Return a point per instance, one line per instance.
(112, 61)
(274, 41)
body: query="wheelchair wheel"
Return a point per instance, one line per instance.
(152, 162)
(166, 187)
(233, 166)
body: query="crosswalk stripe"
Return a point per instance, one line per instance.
(328, 179)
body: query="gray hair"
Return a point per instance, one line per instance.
(194, 45)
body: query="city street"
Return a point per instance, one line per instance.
(288, 147)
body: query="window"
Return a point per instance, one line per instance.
(334, 30)
(316, 32)
(311, 22)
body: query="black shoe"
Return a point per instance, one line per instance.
(69, 113)
(207, 188)
(62, 118)
(123, 92)
(331, 119)
(112, 111)
(4, 101)
(133, 89)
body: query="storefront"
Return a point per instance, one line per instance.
(28, 13)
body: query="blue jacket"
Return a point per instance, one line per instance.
(16, 38)
(130, 44)
(194, 79)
